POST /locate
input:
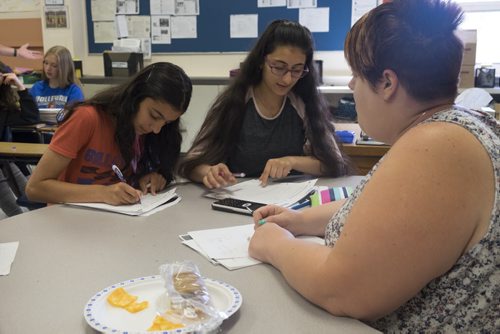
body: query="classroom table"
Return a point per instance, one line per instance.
(67, 254)
(23, 152)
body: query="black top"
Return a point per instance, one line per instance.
(263, 139)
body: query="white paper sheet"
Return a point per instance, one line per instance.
(160, 29)
(103, 10)
(104, 31)
(184, 27)
(127, 6)
(301, 3)
(243, 26)
(148, 203)
(316, 19)
(474, 98)
(271, 3)
(187, 7)
(228, 246)
(224, 243)
(360, 8)
(280, 193)
(162, 7)
(7, 254)
(121, 26)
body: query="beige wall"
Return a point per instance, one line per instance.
(196, 65)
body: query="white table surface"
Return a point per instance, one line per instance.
(67, 254)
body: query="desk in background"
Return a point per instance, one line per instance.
(363, 156)
(24, 152)
(66, 255)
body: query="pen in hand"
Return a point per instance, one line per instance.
(118, 173)
(120, 176)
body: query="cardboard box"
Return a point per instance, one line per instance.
(466, 76)
(469, 57)
(469, 38)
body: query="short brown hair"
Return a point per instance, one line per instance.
(415, 39)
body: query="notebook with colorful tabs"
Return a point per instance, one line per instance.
(329, 194)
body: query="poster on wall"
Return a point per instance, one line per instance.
(56, 17)
(7, 6)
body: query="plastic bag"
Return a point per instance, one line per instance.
(187, 300)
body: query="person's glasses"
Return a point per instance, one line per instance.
(281, 70)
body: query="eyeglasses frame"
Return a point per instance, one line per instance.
(272, 67)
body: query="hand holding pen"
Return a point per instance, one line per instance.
(121, 192)
(288, 219)
(267, 233)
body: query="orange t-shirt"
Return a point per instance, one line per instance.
(87, 137)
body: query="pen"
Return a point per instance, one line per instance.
(301, 205)
(233, 174)
(304, 201)
(118, 173)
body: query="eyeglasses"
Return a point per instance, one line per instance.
(281, 70)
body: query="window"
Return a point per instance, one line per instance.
(483, 16)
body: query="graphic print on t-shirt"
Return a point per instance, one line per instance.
(52, 101)
(97, 167)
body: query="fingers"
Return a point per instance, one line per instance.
(264, 177)
(126, 194)
(24, 52)
(265, 212)
(144, 185)
(13, 79)
(152, 182)
(218, 176)
(276, 168)
(158, 183)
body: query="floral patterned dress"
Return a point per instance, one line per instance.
(467, 298)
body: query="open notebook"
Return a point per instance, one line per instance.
(148, 205)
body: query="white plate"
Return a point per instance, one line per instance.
(109, 319)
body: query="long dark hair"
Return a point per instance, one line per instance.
(8, 98)
(216, 140)
(161, 81)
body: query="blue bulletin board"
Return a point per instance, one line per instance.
(213, 26)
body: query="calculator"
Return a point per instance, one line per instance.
(236, 206)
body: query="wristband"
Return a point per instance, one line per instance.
(15, 52)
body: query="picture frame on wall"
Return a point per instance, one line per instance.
(56, 17)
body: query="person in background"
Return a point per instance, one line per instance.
(134, 126)
(59, 85)
(416, 248)
(15, 109)
(22, 52)
(271, 120)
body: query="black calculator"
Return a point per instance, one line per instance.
(236, 206)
